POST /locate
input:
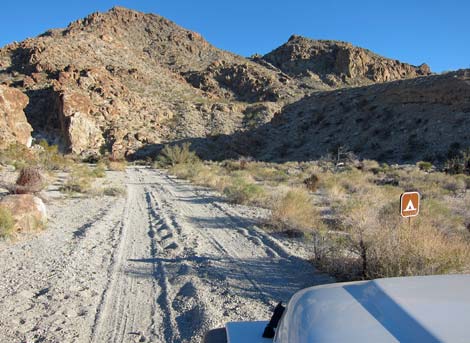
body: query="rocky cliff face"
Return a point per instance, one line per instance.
(122, 80)
(13, 124)
(324, 63)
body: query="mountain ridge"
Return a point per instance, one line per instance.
(119, 81)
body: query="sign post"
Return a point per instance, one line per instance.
(409, 205)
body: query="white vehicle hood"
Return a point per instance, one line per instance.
(409, 309)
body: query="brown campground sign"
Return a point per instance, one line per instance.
(409, 204)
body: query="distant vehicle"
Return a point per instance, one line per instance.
(403, 309)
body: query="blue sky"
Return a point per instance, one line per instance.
(432, 31)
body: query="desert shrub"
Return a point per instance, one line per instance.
(114, 191)
(185, 171)
(172, 155)
(455, 185)
(79, 180)
(261, 172)
(231, 165)
(424, 166)
(375, 241)
(311, 183)
(18, 155)
(370, 166)
(7, 222)
(458, 162)
(240, 191)
(295, 211)
(50, 158)
(115, 165)
(100, 170)
(416, 250)
(30, 180)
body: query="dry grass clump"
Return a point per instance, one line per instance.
(295, 211)
(114, 191)
(417, 250)
(116, 165)
(29, 181)
(7, 223)
(266, 173)
(100, 170)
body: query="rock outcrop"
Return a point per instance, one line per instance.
(14, 126)
(338, 64)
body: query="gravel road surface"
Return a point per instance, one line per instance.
(165, 263)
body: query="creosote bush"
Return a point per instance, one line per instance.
(172, 155)
(241, 191)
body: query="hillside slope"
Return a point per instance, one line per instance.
(122, 80)
(426, 118)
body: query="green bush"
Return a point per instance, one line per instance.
(424, 166)
(7, 223)
(242, 192)
(172, 155)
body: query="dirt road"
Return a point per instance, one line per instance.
(164, 264)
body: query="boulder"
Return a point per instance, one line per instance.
(78, 125)
(29, 211)
(14, 126)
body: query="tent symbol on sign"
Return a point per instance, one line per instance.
(410, 207)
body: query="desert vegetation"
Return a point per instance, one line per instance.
(27, 172)
(349, 210)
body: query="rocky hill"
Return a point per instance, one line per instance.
(331, 64)
(424, 118)
(123, 80)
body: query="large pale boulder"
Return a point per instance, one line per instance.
(78, 125)
(29, 211)
(14, 126)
